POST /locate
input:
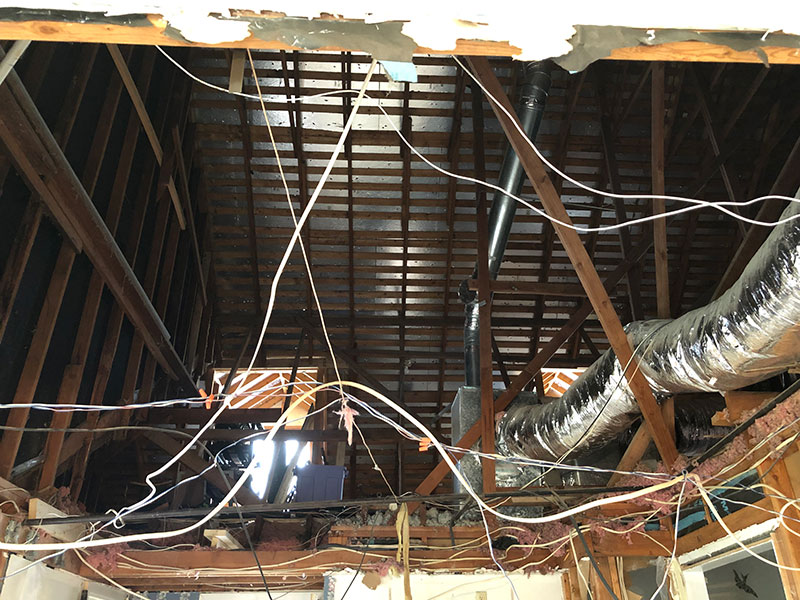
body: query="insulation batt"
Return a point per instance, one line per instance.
(750, 333)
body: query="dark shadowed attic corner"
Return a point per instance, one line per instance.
(434, 303)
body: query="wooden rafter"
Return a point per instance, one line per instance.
(598, 296)
(27, 137)
(634, 276)
(786, 183)
(453, 161)
(147, 125)
(71, 381)
(115, 320)
(252, 236)
(576, 85)
(657, 160)
(715, 139)
(484, 297)
(37, 352)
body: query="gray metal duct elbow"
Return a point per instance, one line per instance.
(750, 333)
(533, 95)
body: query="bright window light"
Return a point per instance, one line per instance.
(264, 455)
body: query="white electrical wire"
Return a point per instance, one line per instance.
(310, 205)
(731, 534)
(675, 546)
(719, 205)
(696, 204)
(494, 559)
(94, 543)
(294, 219)
(391, 404)
(253, 464)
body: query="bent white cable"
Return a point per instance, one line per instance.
(589, 188)
(457, 474)
(92, 543)
(294, 218)
(10, 547)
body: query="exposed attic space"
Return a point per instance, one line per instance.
(145, 219)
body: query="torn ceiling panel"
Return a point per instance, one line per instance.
(580, 32)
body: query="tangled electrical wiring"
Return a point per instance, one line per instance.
(660, 481)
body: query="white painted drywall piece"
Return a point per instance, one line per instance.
(541, 31)
(43, 583)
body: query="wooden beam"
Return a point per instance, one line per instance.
(156, 33)
(198, 416)
(37, 351)
(453, 161)
(745, 517)
(688, 122)
(501, 365)
(71, 381)
(197, 465)
(29, 379)
(484, 299)
(40, 160)
(295, 111)
(347, 84)
(628, 106)
(236, 78)
(406, 128)
(217, 565)
(786, 543)
(29, 226)
(678, 284)
(113, 332)
(168, 282)
(586, 272)
(575, 87)
(17, 259)
(115, 320)
(33, 78)
(147, 125)
(633, 453)
(657, 159)
(221, 539)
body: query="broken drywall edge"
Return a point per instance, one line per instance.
(393, 31)
(746, 536)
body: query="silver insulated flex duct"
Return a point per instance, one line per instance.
(532, 96)
(750, 333)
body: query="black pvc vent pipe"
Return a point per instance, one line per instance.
(532, 97)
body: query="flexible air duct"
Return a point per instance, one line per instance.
(532, 96)
(748, 334)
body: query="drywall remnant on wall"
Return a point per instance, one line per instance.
(576, 33)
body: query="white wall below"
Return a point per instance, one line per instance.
(43, 583)
(447, 586)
